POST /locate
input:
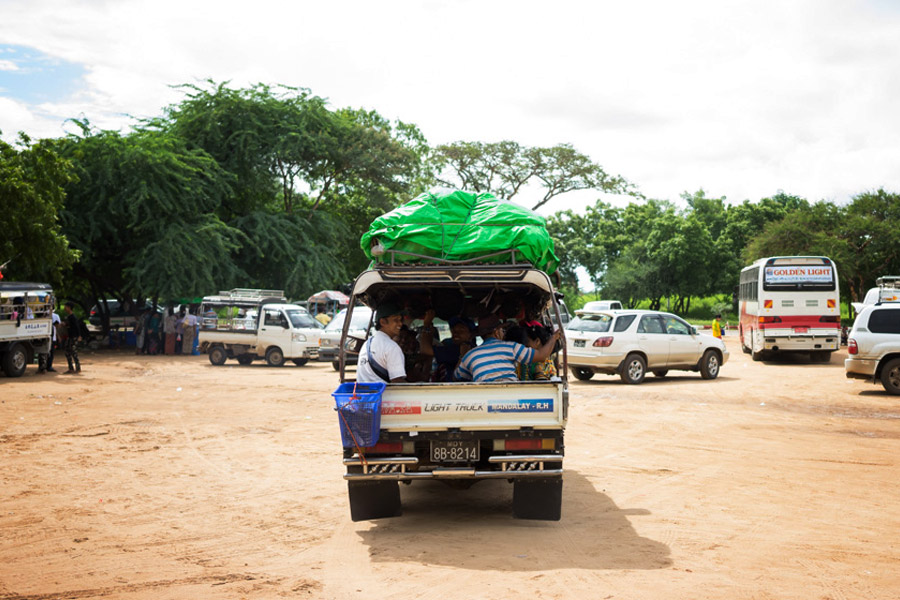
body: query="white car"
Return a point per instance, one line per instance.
(874, 346)
(629, 343)
(330, 339)
(598, 305)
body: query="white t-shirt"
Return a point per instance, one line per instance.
(55, 321)
(386, 353)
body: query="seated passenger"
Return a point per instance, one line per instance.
(380, 358)
(535, 335)
(447, 353)
(495, 359)
(418, 365)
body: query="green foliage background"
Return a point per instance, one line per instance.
(269, 186)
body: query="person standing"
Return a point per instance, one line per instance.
(54, 340)
(169, 331)
(152, 343)
(179, 332)
(717, 327)
(381, 358)
(190, 330)
(73, 327)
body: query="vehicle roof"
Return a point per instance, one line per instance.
(24, 286)
(624, 311)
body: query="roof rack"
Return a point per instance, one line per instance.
(433, 260)
(888, 281)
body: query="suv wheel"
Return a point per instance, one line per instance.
(709, 365)
(634, 370)
(582, 374)
(890, 376)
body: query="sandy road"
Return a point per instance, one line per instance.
(778, 480)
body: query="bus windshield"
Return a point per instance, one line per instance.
(785, 277)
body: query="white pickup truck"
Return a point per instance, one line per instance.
(25, 324)
(463, 432)
(250, 324)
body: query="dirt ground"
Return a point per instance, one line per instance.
(166, 477)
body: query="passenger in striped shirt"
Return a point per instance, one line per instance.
(495, 360)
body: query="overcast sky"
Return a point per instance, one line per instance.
(739, 98)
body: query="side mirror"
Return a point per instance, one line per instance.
(693, 330)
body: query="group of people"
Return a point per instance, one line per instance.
(509, 351)
(170, 333)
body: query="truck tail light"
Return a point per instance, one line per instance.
(852, 348)
(530, 444)
(770, 319)
(603, 342)
(386, 448)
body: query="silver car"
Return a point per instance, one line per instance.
(629, 343)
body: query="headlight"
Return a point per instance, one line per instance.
(298, 337)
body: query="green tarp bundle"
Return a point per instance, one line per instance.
(458, 225)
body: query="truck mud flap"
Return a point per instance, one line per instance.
(374, 500)
(539, 499)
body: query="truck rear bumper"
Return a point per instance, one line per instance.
(407, 468)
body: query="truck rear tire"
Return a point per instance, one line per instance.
(374, 500)
(274, 357)
(217, 355)
(539, 499)
(15, 360)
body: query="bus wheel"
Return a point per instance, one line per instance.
(820, 356)
(890, 377)
(756, 355)
(744, 348)
(634, 370)
(709, 365)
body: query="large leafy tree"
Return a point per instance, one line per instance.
(505, 168)
(143, 215)
(33, 178)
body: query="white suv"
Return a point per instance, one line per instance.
(874, 346)
(629, 343)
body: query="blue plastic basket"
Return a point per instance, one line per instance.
(359, 417)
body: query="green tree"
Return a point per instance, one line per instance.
(32, 193)
(143, 215)
(505, 168)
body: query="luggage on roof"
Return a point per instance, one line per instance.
(453, 225)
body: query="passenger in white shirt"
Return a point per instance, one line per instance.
(385, 353)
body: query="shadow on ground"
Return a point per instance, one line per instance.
(474, 529)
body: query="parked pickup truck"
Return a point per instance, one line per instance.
(250, 324)
(460, 433)
(26, 324)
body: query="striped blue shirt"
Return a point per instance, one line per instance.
(494, 360)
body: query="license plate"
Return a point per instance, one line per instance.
(454, 451)
(801, 329)
(579, 343)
